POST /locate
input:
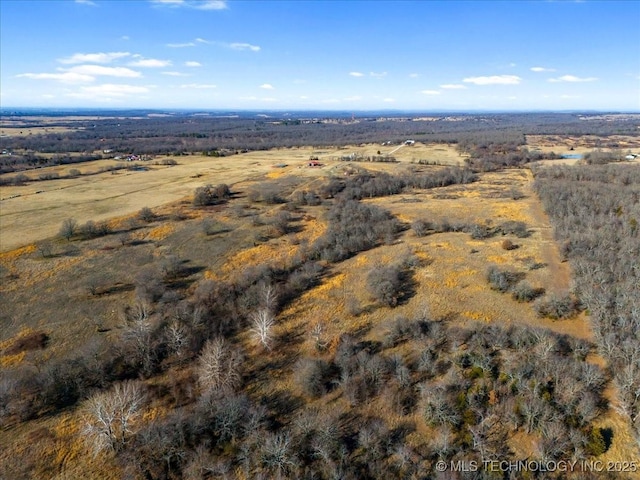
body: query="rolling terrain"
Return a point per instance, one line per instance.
(349, 320)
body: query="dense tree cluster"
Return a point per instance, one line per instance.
(595, 211)
(472, 401)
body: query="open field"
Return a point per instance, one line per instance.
(25, 131)
(36, 210)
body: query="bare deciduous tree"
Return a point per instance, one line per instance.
(269, 296)
(277, 456)
(177, 337)
(111, 416)
(219, 366)
(68, 228)
(262, 330)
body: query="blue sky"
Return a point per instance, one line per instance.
(328, 55)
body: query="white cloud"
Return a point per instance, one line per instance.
(99, 70)
(389, 100)
(244, 46)
(192, 64)
(211, 5)
(197, 4)
(453, 86)
(355, 98)
(86, 2)
(431, 92)
(542, 69)
(176, 74)
(66, 77)
(198, 85)
(202, 40)
(93, 57)
(267, 86)
(378, 75)
(150, 63)
(181, 45)
(494, 80)
(125, 37)
(572, 79)
(414, 75)
(356, 74)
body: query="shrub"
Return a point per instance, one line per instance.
(502, 280)
(171, 267)
(523, 292)
(146, 215)
(49, 176)
(92, 229)
(480, 232)
(313, 376)
(420, 228)
(508, 245)
(385, 284)
(45, 248)
(210, 195)
(30, 341)
(21, 179)
(267, 193)
(280, 222)
(557, 307)
(148, 282)
(519, 229)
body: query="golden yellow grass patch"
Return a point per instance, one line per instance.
(161, 232)
(12, 360)
(271, 253)
(478, 316)
(17, 252)
(510, 210)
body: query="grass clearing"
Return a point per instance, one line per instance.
(35, 210)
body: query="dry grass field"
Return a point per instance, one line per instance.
(449, 275)
(34, 211)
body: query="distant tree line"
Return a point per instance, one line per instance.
(183, 134)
